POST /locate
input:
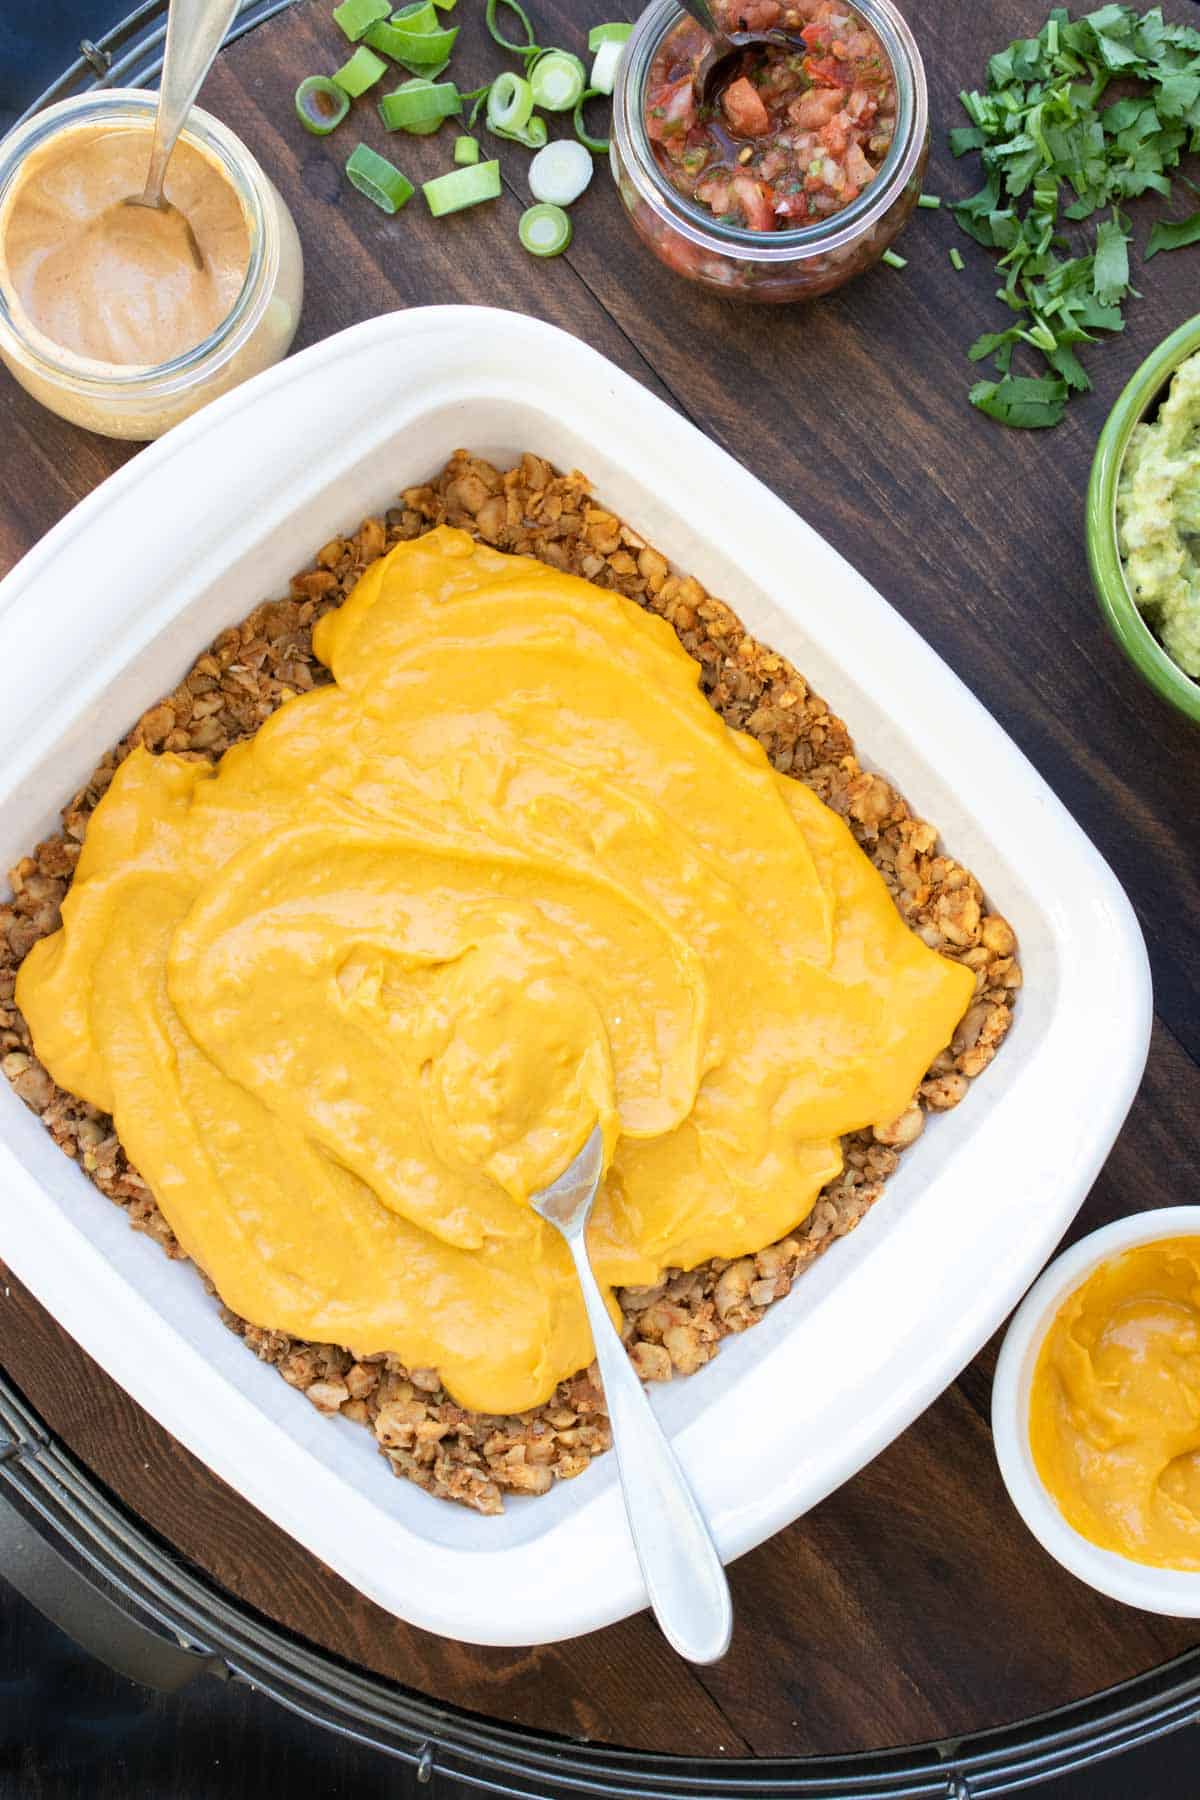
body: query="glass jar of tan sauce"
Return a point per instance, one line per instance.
(124, 319)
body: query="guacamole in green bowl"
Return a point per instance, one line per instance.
(1143, 519)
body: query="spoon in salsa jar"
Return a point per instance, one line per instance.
(679, 1562)
(195, 32)
(752, 25)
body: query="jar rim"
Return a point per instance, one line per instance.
(631, 144)
(207, 135)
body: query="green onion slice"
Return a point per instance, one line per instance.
(533, 134)
(419, 106)
(559, 173)
(417, 50)
(956, 261)
(604, 68)
(479, 96)
(544, 230)
(354, 16)
(615, 33)
(446, 5)
(377, 178)
(509, 102)
(466, 150)
(361, 72)
(597, 146)
(528, 48)
(557, 79)
(930, 201)
(424, 71)
(426, 46)
(321, 104)
(893, 261)
(418, 15)
(462, 187)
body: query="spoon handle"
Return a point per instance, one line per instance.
(195, 32)
(703, 15)
(683, 1574)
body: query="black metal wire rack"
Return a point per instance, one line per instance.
(119, 1562)
(130, 55)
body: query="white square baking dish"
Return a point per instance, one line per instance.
(106, 614)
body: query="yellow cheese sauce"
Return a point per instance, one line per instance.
(1114, 1415)
(355, 992)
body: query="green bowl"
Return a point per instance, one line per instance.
(1108, 577)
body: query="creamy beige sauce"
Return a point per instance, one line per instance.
(114, 283)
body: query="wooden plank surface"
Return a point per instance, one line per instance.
(912, 1603)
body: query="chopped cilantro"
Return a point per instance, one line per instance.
(1053, 154)
(1173, 234)
(1032, 402)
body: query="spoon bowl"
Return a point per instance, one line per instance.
(715, 64)
(181, 221)
(718, 60)
(679, 1561)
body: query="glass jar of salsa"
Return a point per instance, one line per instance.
(802, 169)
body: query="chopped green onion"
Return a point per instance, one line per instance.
(426, 46)
(321, 104)
(930, 200)
(559, 173)
(616, 33)
(528, 48)
(354, 16)
(419, 106)
(377, 178)
(466, 150)
(598, 146)
(416, 50)
(462, 187)
(604, 68)
(361, 72)
(893, 261)
(533, 134)
(446, 5)
(544, 230)
(509, 103)
(557, 79)
(424, 71)
(418, 15)
(956, 261)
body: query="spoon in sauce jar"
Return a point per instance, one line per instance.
(195, 32)
(679, 1562)
(728, 46)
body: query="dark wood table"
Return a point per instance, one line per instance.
(911, 1604)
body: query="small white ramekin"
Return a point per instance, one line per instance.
(1169, 1591)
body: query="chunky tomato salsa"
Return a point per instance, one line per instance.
(794, 135)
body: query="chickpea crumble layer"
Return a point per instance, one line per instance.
(675, 1327)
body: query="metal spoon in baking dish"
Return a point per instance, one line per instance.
(683, 1574)
(195, 32)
